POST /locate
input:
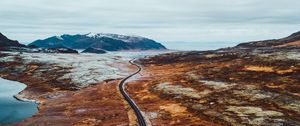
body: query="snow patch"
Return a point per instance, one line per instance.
(59, 37)
(125, 38)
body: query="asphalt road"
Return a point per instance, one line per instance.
(132, 104)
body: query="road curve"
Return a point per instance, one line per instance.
(132, 104)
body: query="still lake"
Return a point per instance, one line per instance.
(11, 109)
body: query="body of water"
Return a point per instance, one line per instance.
(12, 110)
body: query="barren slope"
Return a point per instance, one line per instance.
(248, 85)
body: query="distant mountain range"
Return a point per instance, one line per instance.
(12, 45)
(90, 43)
(101, 41)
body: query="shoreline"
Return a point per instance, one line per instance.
(18, 95)
(23, 107)
(49, 82)
(19, 98)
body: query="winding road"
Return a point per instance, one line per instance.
(132, 104)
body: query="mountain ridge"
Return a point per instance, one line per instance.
(273, 42)
(5, 42)
(104, 41)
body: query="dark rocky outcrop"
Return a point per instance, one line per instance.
(5, 42)
(59, 50)
(39, 50)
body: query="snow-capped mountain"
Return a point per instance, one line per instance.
(117, 36)
(109, 42)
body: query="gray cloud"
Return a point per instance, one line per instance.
(163, 20)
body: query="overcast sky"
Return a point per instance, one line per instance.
(162, 20)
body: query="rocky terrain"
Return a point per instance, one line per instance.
(71, 89)
(254, 83)
(108, 42)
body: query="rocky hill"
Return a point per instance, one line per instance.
(109, 42)
(292, 40)
(5, 42)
